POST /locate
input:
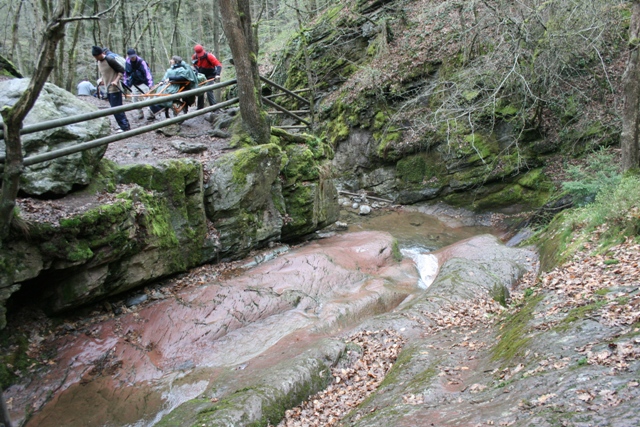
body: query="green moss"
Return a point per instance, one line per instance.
(579, 313)
(13, 357)
(77, 238)
(514, 337)
(104, 179)
(171, 176)
(412, 169)
(274, 402)
(187, 411)
(337, 130)
(245, 161)
(80, 253)
(536, 180)
(380, 120)
(385, 141)
(300, 203)
(302, 165)
(156, 219)
(508, 110)
(395, 251)
(480, 146)
(402, 363)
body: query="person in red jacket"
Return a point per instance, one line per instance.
(207, 64)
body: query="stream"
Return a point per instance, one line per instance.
(209, 340)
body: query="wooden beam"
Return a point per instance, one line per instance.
(287, 91)
(292, 127)
(292, 111)
(284, 110)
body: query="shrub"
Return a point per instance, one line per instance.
(599, 175)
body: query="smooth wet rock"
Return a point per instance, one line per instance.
(275, 311)
(136, 300)
(364, 210)
(188, 147)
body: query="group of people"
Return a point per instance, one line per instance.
(134, 75)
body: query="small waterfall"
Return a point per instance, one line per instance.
(426, 263)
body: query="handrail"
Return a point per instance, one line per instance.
(39, 158)
(287, 91)
(285, 111)
(120, 109)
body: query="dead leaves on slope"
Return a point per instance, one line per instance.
(351, 384)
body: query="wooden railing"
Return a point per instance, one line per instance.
(39, 158)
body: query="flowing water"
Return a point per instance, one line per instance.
(212, 339)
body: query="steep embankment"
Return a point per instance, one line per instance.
(465, 102)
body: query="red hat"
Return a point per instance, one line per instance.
(198, 48)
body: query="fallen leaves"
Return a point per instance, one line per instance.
(351, 384)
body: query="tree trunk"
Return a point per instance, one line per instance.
(14, 116)
(215, 23)
(236, 22)
(14, 37)
(69, 78)
(311, 79)
(630, 137)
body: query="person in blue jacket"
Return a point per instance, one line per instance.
(137, 77)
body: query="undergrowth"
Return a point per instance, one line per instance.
(601, 174)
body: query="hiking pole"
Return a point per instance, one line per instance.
(134, 85)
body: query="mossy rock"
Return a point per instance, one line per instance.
(515, 334)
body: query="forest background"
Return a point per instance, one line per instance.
(156, 29)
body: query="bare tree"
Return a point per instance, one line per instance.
(630, 137)
(244, 49)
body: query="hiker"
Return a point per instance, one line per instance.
(137, 77)
(173, 80)
(111, 69)
(85, 88)
(207, 64)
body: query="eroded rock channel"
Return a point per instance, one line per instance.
(241, 350)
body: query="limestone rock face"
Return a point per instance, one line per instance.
(261, 194)
(57, 176)
(243, 198)
(161, 219)
(156, 227)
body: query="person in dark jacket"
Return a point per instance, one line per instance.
(111, 72)
(206, 63)
(137, 76)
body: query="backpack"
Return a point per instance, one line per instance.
(115, 61)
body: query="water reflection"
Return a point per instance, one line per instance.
(414, 228)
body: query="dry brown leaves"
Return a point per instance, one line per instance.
(351, 384)
(608, 283)
(463, 315)
(603, 287)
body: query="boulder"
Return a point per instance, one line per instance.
(57, 176)
(264, 193)
(243, 198)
